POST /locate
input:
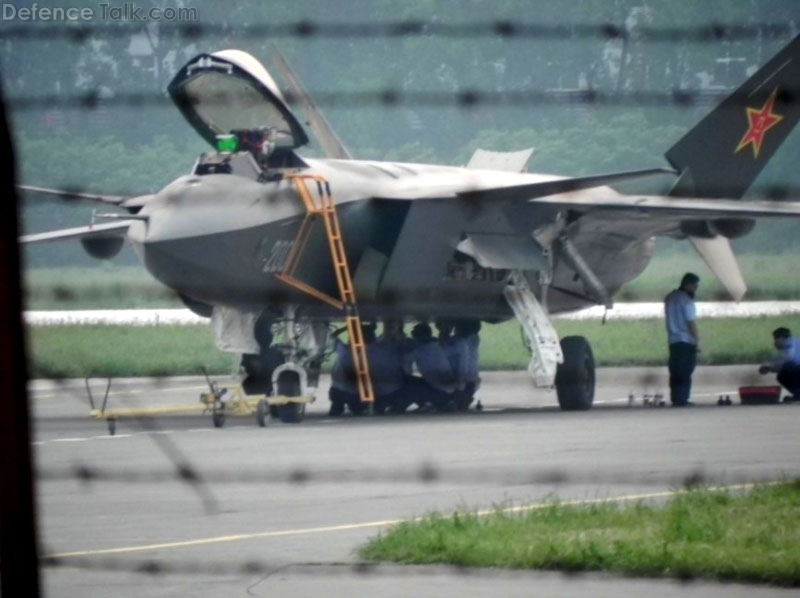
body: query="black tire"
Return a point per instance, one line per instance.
(292, 413)
(289, 386)
(262, 412)
(575, 377)
(218, 418)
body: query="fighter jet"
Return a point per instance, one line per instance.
(259, 232)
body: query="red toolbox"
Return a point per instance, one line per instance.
(760, 395)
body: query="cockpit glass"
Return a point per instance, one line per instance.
(226, 103)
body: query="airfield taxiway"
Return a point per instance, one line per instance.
(172, 507)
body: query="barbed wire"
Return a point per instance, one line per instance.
(423, 473)
(501, 28)
(393, 97)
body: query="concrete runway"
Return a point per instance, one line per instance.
(171, 506)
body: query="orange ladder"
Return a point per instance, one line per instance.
(326, 209)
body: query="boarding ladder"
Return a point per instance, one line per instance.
(324, 207)
(543, 338)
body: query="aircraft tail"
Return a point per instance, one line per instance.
(723, 154)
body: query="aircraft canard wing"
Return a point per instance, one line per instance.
(557, 186)
(327, 138)
(132, 203)
(65, 194)
(104, 230)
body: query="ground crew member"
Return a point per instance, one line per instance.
(393, 332)
(385, 358)
(680, 315)
(468, 330)
(455, 348)
(344, 385)
(787, 364)
(435, 388)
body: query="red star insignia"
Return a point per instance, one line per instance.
(761, 120)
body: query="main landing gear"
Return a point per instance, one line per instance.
(568, 365)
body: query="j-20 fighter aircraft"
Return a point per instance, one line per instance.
(259, 232)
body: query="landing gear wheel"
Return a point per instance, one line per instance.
(289, 386)
(575, 377)
(262, 412)
(292, 413)
(112, 427)
(218, 417)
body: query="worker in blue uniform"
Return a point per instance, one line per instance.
(683, 338)
(386, 369)
(344, 384)
(787, 363)
(467, 331)
(435, 387)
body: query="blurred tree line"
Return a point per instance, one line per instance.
(130, 150)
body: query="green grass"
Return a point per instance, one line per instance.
(123, 351)
(642, 342)
(77, 351)
(103, 287)
(714, 534)
(773, 277)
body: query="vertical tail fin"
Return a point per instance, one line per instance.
(724, 153)
(327, 138)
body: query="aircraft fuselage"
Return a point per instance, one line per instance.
(222, 238)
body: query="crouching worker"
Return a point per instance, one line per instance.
(787, 364)
(467, 331)
(344, 381)
(391, 362)
(436, 387)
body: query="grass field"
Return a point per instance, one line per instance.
(103, 287)
(130, 351)
(77, 351)
(714, 534)
(768, 277)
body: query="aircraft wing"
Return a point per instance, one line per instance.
(675, 208)
(104, 230)
(644, 216)
(131, 203)
(64, 194)
(557, 186)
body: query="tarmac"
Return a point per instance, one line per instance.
(172, 506)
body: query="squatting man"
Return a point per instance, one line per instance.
(787, 363)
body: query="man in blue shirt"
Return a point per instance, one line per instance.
(787, 364)
(679, 311)
(437, 382)
(344, 385)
